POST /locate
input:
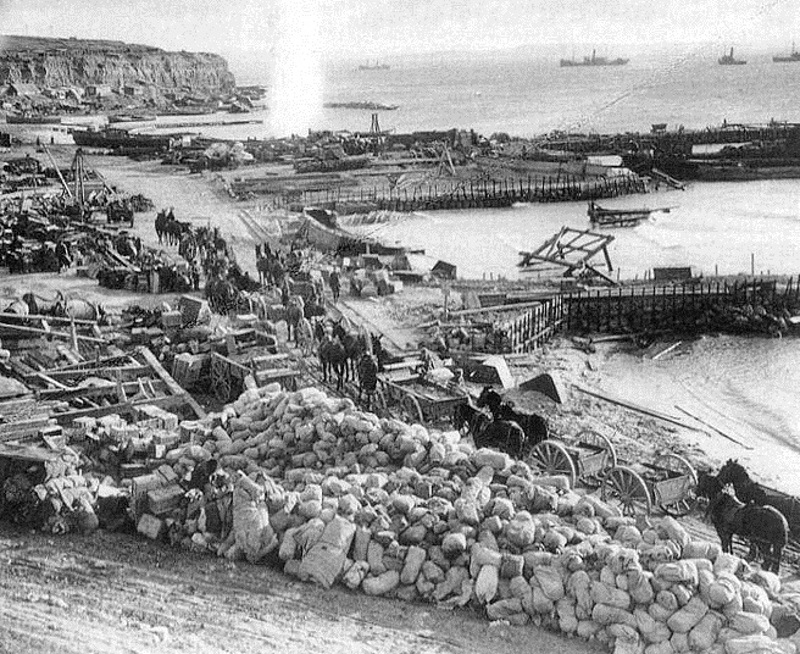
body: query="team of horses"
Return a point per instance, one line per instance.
(737, 505)
(497, 424)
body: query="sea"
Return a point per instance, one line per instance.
(746, 388)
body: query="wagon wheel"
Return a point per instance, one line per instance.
(552, 458)
(220, 379)
(623, 487)
(412, 412)
(598, 440)
(686, 502)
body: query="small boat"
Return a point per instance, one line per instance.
(791, 58)
(32, 119)
(730, 60)
(594, 60)
(131, 118)
(376, 66)
(602, 217)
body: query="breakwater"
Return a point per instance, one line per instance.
(460, 195)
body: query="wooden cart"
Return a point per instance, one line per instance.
(587, 459)
(669, 483)
(416, 399)
(228, 372)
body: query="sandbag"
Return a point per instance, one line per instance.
(687, 617)
(324, 562)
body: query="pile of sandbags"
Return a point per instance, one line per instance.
(337, 495)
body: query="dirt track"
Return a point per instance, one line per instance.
(117, 593)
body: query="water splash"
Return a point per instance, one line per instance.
(296, 96)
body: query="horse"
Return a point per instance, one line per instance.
(41, 306)
(161, 226)
(354, 346)
(384, 356)
(504, 435)
(78, 309)
(367, 376)
(748, 491)
(534, 426)
(332, 358)
(764, 526)
(18, 308)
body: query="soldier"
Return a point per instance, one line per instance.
(333, 282)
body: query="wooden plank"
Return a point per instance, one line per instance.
(96, 391)
(172, 385)
(128, 373)
(636, 407)
(33, 330)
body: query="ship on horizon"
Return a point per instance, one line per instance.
(375, 66)
(594, 60)
(783, 59)
(730, 60)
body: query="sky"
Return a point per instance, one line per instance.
(383, 28)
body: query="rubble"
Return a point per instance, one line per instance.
(337, 495)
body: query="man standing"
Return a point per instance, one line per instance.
(333, 282)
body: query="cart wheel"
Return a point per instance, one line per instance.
(551, 457)
(412, 412)
(597, 440)
(624, 488)
(686, 498)
(220, 380)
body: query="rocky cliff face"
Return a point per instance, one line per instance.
(74, 62)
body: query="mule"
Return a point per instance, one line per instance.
(535, 427)
(763, 526)
(42, 306)
(354, 346)
(748, 490)
(504, 435)
(332, 358)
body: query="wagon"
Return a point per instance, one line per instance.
(418, 399)
(228, 372)
(587, 459)
(668, 483)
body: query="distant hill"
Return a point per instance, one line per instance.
(58, 62)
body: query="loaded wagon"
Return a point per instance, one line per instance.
(669, 483)
(415, 397)
(228, 372)
(587, 459)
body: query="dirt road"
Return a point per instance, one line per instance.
(116, 593)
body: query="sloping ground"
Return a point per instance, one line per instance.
(116, 593)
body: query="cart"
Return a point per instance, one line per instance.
(228, 372)
(418, 399)
(669, 484)
(586, 459)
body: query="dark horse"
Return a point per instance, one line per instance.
(764, 526)
(354, 346)
(383, 355)
(332, 358)
(748, 491)
(503, 435)
(534, 426)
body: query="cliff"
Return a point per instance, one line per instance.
(48, 62)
